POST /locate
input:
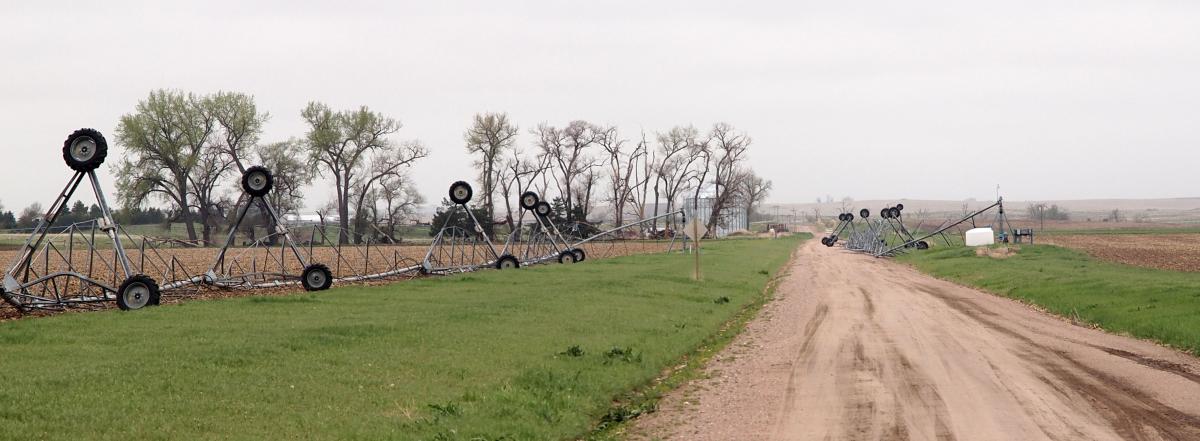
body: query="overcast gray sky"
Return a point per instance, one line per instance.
(870, 99)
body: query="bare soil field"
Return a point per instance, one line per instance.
(1177, 252)
(858, 348)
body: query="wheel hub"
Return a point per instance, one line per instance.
(137, 295)
(316, 278)
(83, 149)
(258, 182)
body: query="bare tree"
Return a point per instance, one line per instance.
(343, 145)
(847, 204)
(679, 150)
(488, 138)
(567, 150)
(400, 200)
(755, 190)
(163, 138)
(622, 168)
(588, 181)
(644, 174)
(728, 150)
(364, 187)
(519, 175)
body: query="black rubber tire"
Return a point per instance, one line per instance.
(566, 257)
(257, 181)
(825, 241)
(137, 292)
(922, 245)
(461, 192)
(900, 207)
(580, 256)
(97, 152)
(894, 213)
(849, 217)
(864, 213)
(507, 261)
(316, 277)
(543, 209)
(529, 200)
(886, 213)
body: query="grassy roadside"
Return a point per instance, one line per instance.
(645, 399)
(1147, 303)
(539, 353)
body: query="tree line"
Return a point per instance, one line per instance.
(582, 165)
(29, 217)
(185, 152)
(184, 149)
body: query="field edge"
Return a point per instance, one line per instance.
(644, 399)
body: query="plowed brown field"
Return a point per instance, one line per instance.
(1177, 252)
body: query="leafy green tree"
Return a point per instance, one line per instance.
(240, 125)
(490, 136)
(163, 139)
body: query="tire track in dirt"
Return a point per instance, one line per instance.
(861, 348)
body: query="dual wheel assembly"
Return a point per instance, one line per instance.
(530, 201)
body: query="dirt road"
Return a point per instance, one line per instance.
(857, 348)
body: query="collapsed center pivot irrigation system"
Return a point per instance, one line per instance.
(97, 262)
(889, 235)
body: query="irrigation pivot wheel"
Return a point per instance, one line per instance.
(542, 209)
(894, 213)
(316, 277)
(566, 257)
(864, 213)
(460, 192)
(136, 292)
(84, 150)
(507, 261)
(529, 200)
(900, 207)
(922, 245)
(257, 181)
(580, 256)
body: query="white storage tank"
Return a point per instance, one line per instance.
(980, 236)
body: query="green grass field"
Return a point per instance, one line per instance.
(537, 353)
(1147, 303)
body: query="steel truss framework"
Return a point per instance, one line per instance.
(889, 235)
(87, 264)
(57, 280)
